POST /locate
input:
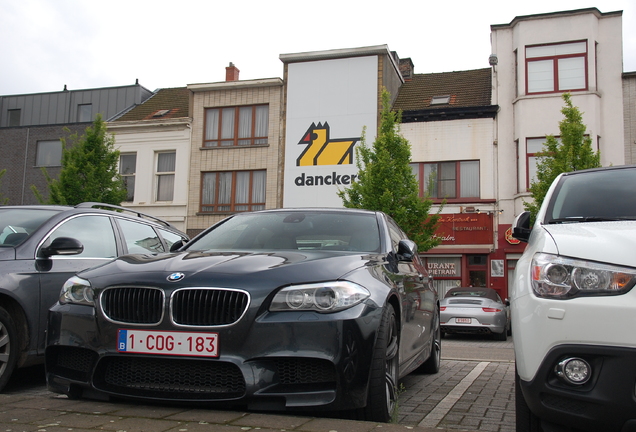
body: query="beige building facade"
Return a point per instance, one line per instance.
(236, 153)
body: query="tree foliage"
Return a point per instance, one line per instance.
(386, 182)
(89, 170)
(572, 152)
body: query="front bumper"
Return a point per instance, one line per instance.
(606, 402)
(278, 361)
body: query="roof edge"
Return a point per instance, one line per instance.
(231, 85)
(520, 18)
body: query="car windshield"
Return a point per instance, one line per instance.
(16, 224)
(594, 196)
(466, 293)
(302, 230)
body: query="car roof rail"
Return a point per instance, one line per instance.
(90, 204)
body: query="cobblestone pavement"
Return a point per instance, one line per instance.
(473, 391)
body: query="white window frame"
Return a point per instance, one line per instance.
(165, 176)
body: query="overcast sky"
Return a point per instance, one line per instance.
(47, 44)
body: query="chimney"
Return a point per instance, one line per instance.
(231, 73)
(406, 68)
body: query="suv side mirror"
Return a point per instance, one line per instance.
(62, 246)
(521, 227)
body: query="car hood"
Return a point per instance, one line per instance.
(610, 242)
(230, 269)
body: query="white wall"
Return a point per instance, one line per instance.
(340, 92)
(146, 142)
(524, 116)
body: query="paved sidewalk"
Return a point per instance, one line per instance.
(474, 391)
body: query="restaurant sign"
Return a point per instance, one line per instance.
(465, 228)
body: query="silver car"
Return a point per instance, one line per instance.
(475, 310)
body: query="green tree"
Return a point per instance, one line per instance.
(572, 152)
(386, 182)
(89, 170)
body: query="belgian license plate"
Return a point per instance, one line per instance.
(168, 343)
(462, 320)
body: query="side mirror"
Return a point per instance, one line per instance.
(62, 246)
(177, 245)
(407, 249)
(521, 227)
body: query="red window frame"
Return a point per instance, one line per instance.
(555, 66)
(234, 141)
(232, 206)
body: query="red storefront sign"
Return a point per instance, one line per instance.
(465, 228)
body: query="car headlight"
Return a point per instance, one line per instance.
(322, 297)
(559, 277)
(77, 290)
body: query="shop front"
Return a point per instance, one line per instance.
(472, 253)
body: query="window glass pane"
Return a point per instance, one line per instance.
(94, 232)
(49, 153)
(166, 162)
(140, 238)
(258, 187)
(129, 184)
(535, 145)
(571, 48)
(447, 180)
(165, 187)
(430, 180)
(245, 122)
(209, 189)
(14, 117)
(262, 121)
(84, 112)
(227, 123)
(540, 76)
(532, 170)
(225, 190)
(127, 163)
(571, 73)
(242, 192)
(211, 124)
(469, 179)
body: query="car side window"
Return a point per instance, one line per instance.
(170, 238)
(396, 234)
(140, 238)
(94, 232)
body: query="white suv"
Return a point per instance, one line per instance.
(573, 305)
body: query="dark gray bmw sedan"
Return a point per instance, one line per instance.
(278, 309)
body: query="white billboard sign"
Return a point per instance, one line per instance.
(329, 102)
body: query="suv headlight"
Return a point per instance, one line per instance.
(560, 277)
(321, 297)
(77, 290)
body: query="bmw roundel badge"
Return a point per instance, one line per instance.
(174, 277)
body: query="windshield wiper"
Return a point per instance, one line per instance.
(572, 219)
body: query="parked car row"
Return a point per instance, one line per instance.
(277, 309)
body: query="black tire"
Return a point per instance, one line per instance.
(8, 347)
(431, 365)
(383, 382)
(525, 420)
